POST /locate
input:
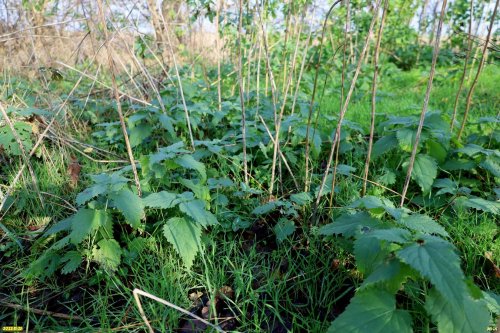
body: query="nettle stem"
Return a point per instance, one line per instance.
(426, 102)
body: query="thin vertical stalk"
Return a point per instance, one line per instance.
(217, 46)
(117, 99)
(242, 98)
(464, 72)
(479, 69)
(426, 102)
(336, 137)
(374, 96)
(311, 105)
(420, 23)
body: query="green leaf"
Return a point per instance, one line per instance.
(467, 316)
(188, 162)
(107, 253)
(424, 171)
(73, 260)
(90, 193)
(436, 260)
(131, 206)
(161, 200)
(302, 198)
(283, 229)
(460, 164)
(436, 150)
(372, 311)
(84, 222)
(479, 204)
(185, 236)
(349, 225)
(196, 210)
(59, 226)
(369, 254)
(492, 165)
(139, 133)
(392, 235)
(406, 138)
(383, 145)
(8, 141)
(390, 274)
(200, 191)
(267, 207)
(423, 223)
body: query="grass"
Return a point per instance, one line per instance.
(302, 283)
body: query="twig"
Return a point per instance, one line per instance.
(242, 98)
(41, 312)
(136, 292)
(426, 101)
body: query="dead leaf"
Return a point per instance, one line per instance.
(74, 169)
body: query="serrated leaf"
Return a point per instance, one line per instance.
(59, 226)
(458, 164)
(196, 210)
(424, 171)
(84, 222)
(188, 162)
(348, 225)
(185, 236)
(436, 260)
(139, 133)
(491, 164)
(369, 254)
(267, 207)
(436, 150)
(422, 223)
(467, 316)
(107, 253)
(393, 235)
(131, 206)
(162, 200)
(383, 145)
(73, 260)
(200, 191)
(406, 138)
(390, 274)
(302, 198)
(90, 193)
(283, 229)
(372, 311)
(479, 204)
(445, 185)
(9, 142)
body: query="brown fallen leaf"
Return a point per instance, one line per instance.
(74, 169)
(489, 256)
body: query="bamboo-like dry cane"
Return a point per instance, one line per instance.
(336, 136)
(117, 99)
(309, 117)
(374, 96)
(242, 98)
(479, 69)
(426, 102)
(217, 46)
(464, 72)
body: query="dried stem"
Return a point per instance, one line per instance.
(242, 98)
(464, 72)
(426, 102)
(374, 96)
(117, 99)
(479, 69)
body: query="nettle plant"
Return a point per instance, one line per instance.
(112, 219)
(402, 254)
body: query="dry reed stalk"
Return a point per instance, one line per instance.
(426, 102)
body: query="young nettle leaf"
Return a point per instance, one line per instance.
(492, 164)
(8, 141)
(130, 204)
(390, 275)
(200, 191)
(84, 222)
(369, 253)
(424, 171)
(283, 229)
(465, 316)
(139, 133)
(492, 207)
(350, 224)
(406, 138)
(302, 198)
(196, 210)
(107, 253)
(446, 185)
(90, 193)
(73, 260)
(267, 207)
(436, 260)
(383, 145)
(188, 162)
(436, 150)
(372, 311)
(185, 236)
(162, 200)
(422, 223)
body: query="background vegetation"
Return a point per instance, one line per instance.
(274, 166)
